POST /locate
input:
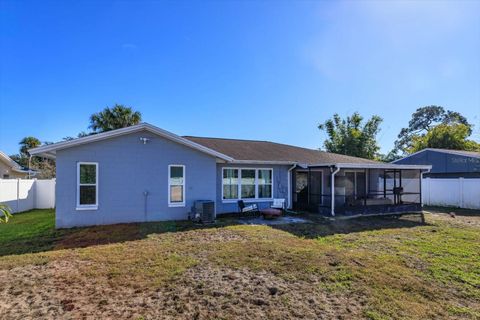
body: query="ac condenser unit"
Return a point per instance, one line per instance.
(204, 211)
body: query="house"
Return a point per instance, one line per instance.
(144, 173)
(446, 163)
(9, 169)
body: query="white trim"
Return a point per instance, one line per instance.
(239, 185)
(263, 162)
(289, 187)
(87, 206)
(177, 204)
(13, 165)
(50, 150)
(372, 166)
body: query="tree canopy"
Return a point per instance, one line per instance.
(445, 136)
(352, 136)
(423, 120)
(116, 117)
(28, 143)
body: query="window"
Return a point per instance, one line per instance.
(265, 183)
(176, 185)
(230, 183)
(87, 185)
(246, 183)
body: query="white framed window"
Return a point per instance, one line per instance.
(265, 183)
(176, 185)
(230, 183)
(87, 185)
(247, 184)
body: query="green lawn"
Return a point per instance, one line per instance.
(375, 268)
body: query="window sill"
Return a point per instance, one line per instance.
(84, 208)
(247, 200)
(176, 205)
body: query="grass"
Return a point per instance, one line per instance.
(375, 268)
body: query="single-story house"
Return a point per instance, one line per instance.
(446, 163)
(9, 169)
(144, 173)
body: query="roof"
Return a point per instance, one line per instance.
(50, 150)
(9, 161)
(266, 151)
(473, 154)
(229, 150)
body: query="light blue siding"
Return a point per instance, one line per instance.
(280, 187)
(127, 168)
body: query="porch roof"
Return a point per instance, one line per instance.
(341, 165)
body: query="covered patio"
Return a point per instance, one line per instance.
(352, 189)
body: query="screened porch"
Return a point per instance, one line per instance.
(352, 189)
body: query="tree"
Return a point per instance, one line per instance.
(45, 167)
(28, 143)
(5, 213)
(422, 121)
(118, 116)
(447, 137)
(351, 136)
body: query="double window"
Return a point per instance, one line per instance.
(176, 186)
(87, 185)
(247, 184)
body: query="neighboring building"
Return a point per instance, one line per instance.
(446, 163)
(144, 173)
(9, 169)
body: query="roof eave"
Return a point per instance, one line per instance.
(49, 151)
(373, 166)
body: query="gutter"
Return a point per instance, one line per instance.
(421, 181)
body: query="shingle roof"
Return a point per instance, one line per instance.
(271, 151)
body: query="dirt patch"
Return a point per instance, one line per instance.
(203, 292)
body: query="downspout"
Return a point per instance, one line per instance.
(290, 186)
(333, 190)
(421, 181)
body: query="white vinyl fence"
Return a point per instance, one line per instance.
(458, 192)
(22, 195)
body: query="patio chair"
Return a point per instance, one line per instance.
(251, 208)
(278, 204)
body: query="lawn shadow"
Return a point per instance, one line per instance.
(456, 211)
(320, 227)
(49, 238)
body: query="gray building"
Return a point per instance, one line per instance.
(446, 163)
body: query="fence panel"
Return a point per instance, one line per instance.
(22, 195)
(459, 192)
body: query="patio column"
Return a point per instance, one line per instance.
(332, 191)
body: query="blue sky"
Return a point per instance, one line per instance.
(265, 70)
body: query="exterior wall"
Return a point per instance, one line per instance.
(7, 170)
(126, 169)
(445, 164)
(280, 187)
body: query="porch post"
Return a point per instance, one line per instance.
(332, 191)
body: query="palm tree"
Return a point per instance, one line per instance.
(116, 117)
(28, 143)
(5, 213)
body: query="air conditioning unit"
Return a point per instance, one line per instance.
(203, 211)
